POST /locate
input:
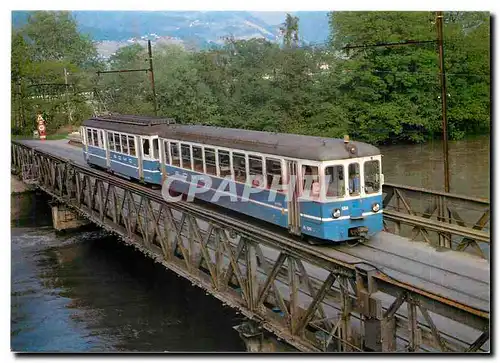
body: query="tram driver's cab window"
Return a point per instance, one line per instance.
(334, 181)
(372, 176)
(310, 180)
(354, 179)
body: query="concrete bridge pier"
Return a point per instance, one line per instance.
(64, 219)
(17, 186)
(258, 341)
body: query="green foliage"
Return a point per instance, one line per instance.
(290, 31)
(393, 93)
(53, 35)
(129, 92)
(42, 51)
(377, 94)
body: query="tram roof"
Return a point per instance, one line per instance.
(280, 144)
(287, 145)
(140, 125)
(135, 119)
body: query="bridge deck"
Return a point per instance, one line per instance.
(457, 276)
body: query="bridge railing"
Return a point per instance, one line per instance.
(307, 297)
(442, 219)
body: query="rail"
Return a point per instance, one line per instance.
(457, 222)
(315, 301)
(441, 219)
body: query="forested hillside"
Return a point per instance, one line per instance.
(376, 94)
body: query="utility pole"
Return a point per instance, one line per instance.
(439, 26)
(442, 73)
(152, 75)
(150, 70)
(20, 122)
(67, 97)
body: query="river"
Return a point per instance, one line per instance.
(422, 165)
(87, 292)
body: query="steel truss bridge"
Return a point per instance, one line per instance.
(421, 285)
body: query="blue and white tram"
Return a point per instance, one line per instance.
(330, 189)
(336, 196)
(111, 142)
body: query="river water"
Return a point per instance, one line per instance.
(422, 165)
(87, 292)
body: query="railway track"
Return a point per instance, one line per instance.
(454, 279)
(473, 271)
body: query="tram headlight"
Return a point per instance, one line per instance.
(375, 207)
(336, 213)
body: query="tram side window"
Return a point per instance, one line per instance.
(131, 145)
(146, 150)
(372, 176)
(198, 159)
(210, 163)
(334, 177)
(354, 179)
(273, 172)
(117, 143)
(111, 141)
(156, 149)
(224, 163)
(174, 153)
(310, 180)
(239, 166)
(186, 156)
(124, 144)
(255, 167)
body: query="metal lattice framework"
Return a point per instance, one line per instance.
(441, 219)
(312, 301)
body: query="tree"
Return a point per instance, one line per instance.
(42, 50)
(130, 92)
(290, 31)
(467, 57)
(181, 92)
(392, 93)
(54, 36)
